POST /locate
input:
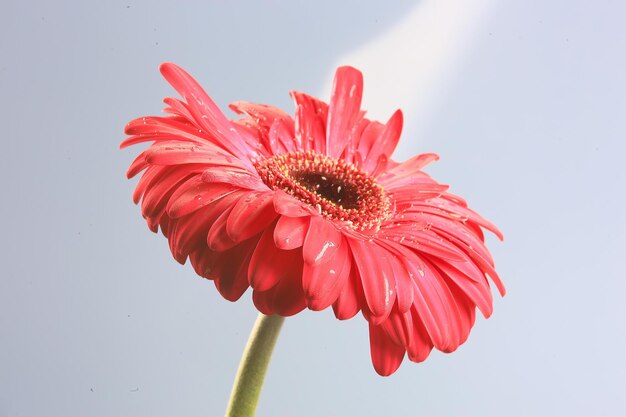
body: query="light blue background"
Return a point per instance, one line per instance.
(96, 319)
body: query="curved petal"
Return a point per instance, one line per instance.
(178, 153)
(385, 144)
(370, 134)
(151, 175)
(191, 231)
(138, 165)
(265, 269)
(264, 115)
(404, 293)
(399, 327)
(420, 238)
(217, 239)
(195, 194)
(250, 216)
(322, 242)
(290, 232)
(158, 196)
(281, 139)
(485, 265)
(290, 206)
(177, 107)
(310, 124)
(421, 345)
(205, 111)
(158, 180)
(432, 299)
(354, 140)
(238, 177)
(379, 284)
(470, 281)
(417, 192)
(231, 270)
(179, 128)
(348, 303)
(386, 355)
(446, 203)
(403, 173)
(344, 110)
(322, 283)
(285, 298)
(203, 260)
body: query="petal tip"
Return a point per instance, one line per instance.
(167, 66)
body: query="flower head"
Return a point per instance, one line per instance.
(312, 212)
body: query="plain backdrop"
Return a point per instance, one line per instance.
(525, 101)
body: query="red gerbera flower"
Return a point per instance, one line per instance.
(313, 212)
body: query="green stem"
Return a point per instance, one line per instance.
(253, 366)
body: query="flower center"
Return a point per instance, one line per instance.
(338, 190)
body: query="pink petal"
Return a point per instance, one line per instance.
(385, 143)
(138, 165)
(203, 261)
(431, 299)
(354, 140)
(148, 178)
(399, 327)
(160, 219)
(263, 114)
(195, 194)
(289, 232)
(231, 268)
(448, 224)
(177, 153)
(237, 177)
(404, 285)
(344, 109)
(266, 269)
(310, 127)
(386, 355)
(475, 252)
(467, 312)
(414, 193)
(322, 283)
(177, 107)
(416, 236)
(159, 193)
(281, 139)
(381, 165)
(348, 304)
(217, 239)
(391, 136)
(146, 129)
(379, 284)
(191, 231)
(322, 242)
(290, 206)
(434, 285)
(205, 111)
(263, 302)
(254, 137)
(286, 298)
(367, 139)
(421, 345)
(252, 214)
(470, 281)
(404, 172)
(460, 209)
